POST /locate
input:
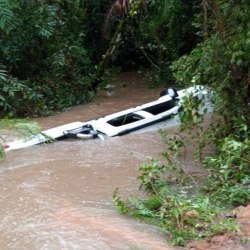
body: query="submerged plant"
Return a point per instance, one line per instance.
(21, 128)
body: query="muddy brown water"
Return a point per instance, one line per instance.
(59, 196)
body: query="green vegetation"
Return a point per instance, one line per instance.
(19, 127)
(54, 54)
(48, 57)
(184, 206)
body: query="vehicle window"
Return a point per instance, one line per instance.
(160, 108)
(125, 119)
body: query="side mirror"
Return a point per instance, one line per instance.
(172, 93)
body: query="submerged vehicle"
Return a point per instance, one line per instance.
(117, 124)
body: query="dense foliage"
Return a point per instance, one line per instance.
(55, 53)
(221, 61)
(49, 50)
(157, 33)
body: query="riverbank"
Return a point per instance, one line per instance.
(239, 241)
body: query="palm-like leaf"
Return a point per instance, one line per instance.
(7, 17)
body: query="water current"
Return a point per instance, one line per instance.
(59, 195)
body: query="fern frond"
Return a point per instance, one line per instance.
(7, 17)
(3, 75)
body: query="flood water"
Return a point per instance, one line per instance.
(59, 195)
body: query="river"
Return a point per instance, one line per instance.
(59, 195)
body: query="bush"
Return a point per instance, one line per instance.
(45, 56)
